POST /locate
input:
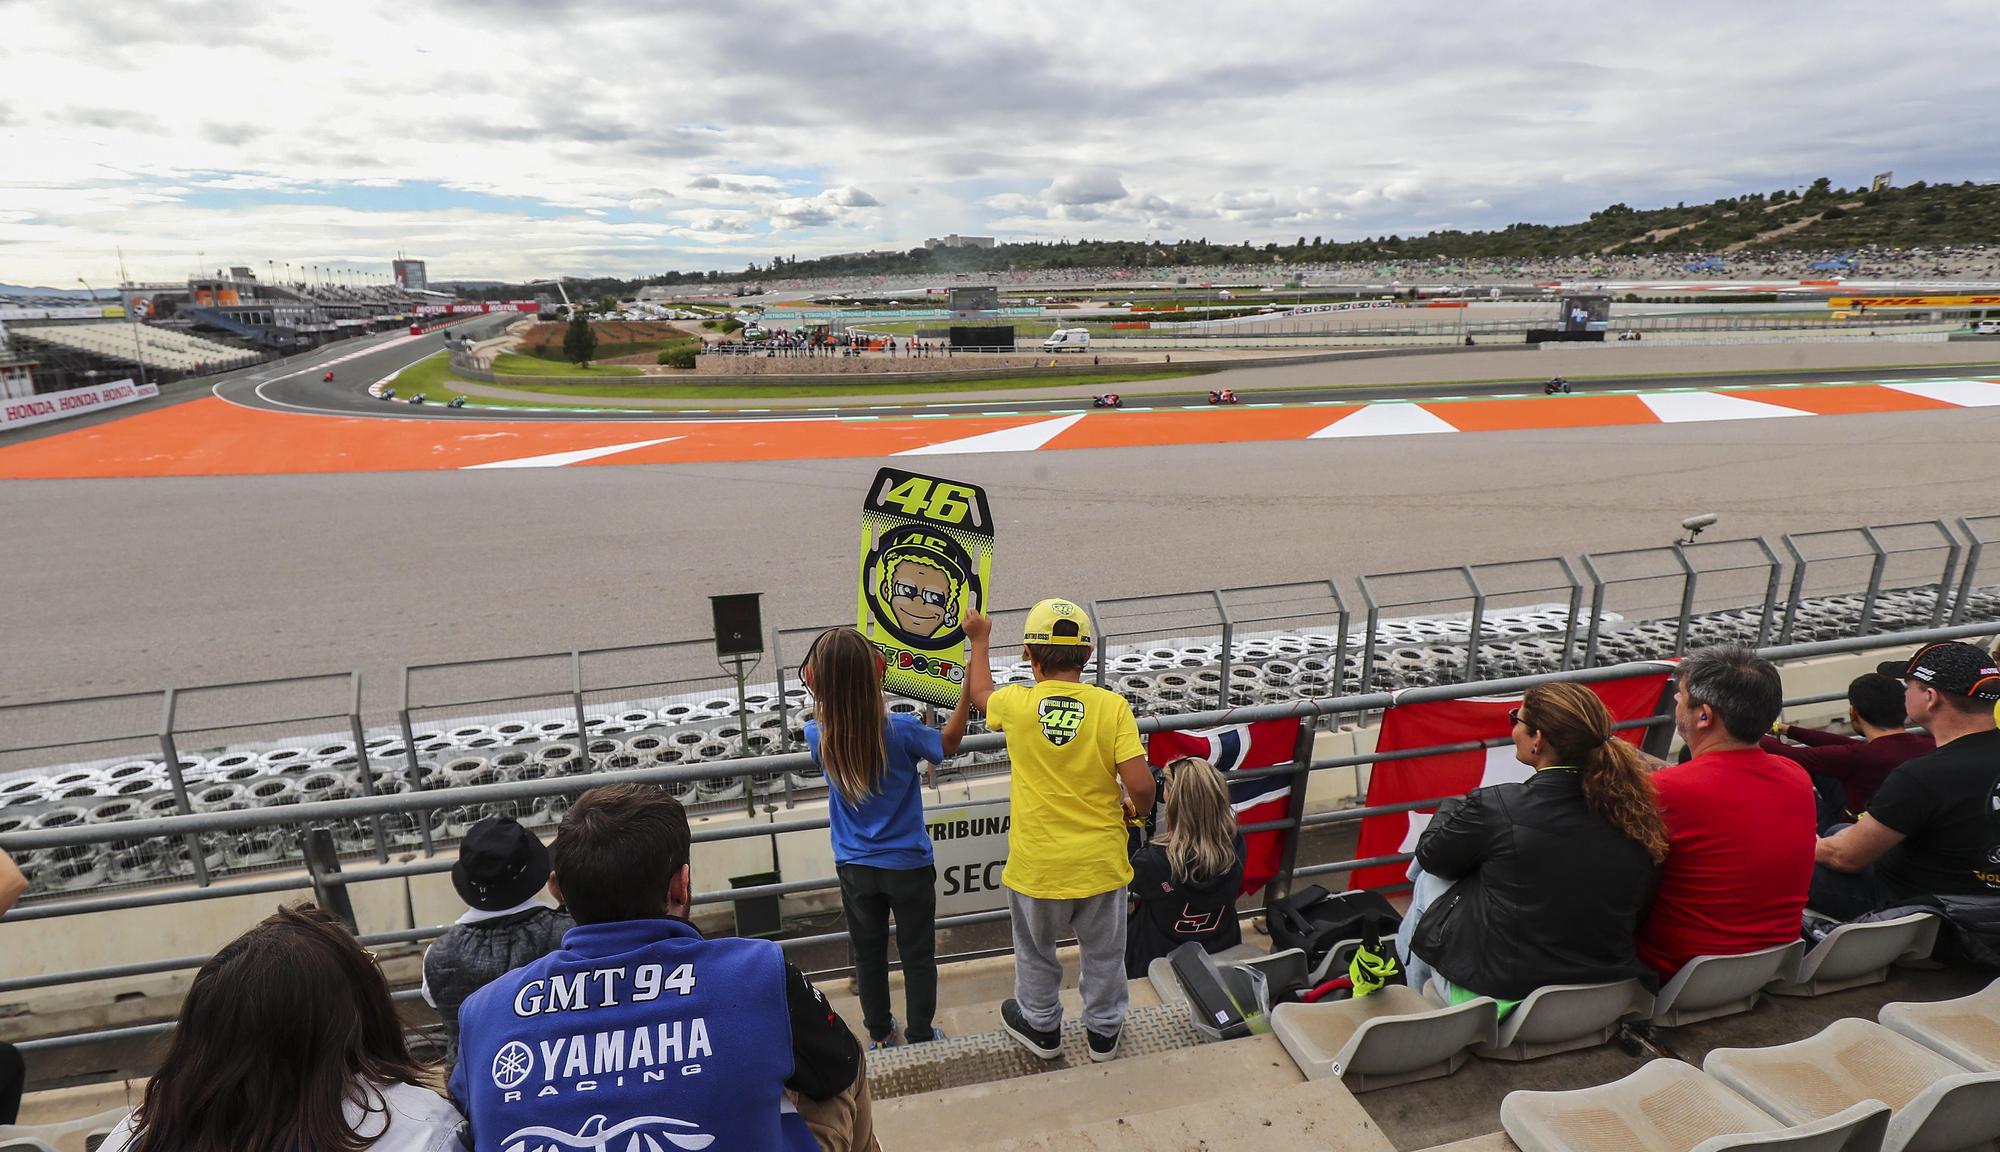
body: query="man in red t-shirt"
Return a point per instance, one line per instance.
(1740, 821)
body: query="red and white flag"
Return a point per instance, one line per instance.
(1235, 748)
(1406, 727)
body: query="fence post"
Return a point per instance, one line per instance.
(413, 776)
(1478, 619)
(576, 701)
(1875, 571)
(1686, 621)
(181, 803)
(323, 860)
(1280, 886)
(1228, 642)
(1976, 546)
(1950, 571)
(366, 776)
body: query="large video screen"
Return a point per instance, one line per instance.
(998, 337)
(1586, 313)
(984, 298)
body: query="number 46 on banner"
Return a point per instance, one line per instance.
(926, 556)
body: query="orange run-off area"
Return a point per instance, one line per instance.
(211, 437)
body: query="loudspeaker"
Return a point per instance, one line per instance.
(739, 624)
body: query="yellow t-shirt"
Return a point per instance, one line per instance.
(1066, 840)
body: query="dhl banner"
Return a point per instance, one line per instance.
(1839, 302)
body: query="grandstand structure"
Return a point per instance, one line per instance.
(141, 345)
(116, 821)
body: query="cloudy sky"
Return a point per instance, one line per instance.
(515, 138)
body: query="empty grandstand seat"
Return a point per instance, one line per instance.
(1856, 954)
(1565, 1017)
(1711, 986)
(65, 1136)
(1393, 1036)
(1668, 1106)
(1965, 1030)
(1938, 1104)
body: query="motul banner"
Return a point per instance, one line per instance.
(75, 402)
(1408, 727)
(478, 309)
(1913, 302)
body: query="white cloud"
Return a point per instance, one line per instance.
(782, 134)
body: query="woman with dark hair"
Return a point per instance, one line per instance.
(1539, 882)
(287, 1040)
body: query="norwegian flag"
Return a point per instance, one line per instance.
(1408, 727)
(1234, 748)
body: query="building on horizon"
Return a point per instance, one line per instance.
(956, 241)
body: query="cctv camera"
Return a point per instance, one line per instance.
(1697, 523)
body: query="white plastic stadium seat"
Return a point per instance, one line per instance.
(1711, 986)
(64, 1136)
(1668, 1106)
(1938, 1104)
(1856, 954)
(1393, 1036)
(1965, 1030)
(1565, 1017)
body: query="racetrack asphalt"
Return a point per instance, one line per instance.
(133, 584)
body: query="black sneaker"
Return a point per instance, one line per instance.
(1043, 1045)
(1103, 1048)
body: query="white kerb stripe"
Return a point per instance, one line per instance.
(1690, 407)
(559, 459)
(1385, 420)
(1964, 393)
(1026, 438)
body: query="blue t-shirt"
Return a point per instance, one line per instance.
(887, 829)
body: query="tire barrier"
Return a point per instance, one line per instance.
(1159, 678)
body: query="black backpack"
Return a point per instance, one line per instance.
(1313, 920)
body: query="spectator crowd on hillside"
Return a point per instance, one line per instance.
(582, 1009)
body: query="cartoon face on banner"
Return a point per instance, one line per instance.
(926, 552)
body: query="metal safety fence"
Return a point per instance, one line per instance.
(109, 761)
(357, 809)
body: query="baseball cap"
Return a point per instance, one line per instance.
(500, 864)
(1959, 669)
(1057, 621)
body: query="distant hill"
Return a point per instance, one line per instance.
(1821, 219)
(17, 291)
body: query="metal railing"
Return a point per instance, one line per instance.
(1303, 764)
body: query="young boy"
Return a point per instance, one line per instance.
(1072, 744)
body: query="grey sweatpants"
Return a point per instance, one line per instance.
(1099, 924)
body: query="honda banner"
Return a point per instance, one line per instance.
(75, 402)
(1407, 727)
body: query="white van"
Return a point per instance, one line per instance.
(1067, 340)
(1987, 328)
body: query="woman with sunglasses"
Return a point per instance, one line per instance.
(1539, 882)
(287, 1039)
(1185, 883)
(881, 849)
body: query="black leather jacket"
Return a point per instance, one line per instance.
(1546, 892)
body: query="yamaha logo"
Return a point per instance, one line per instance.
(512, 1064)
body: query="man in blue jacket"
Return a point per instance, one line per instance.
(639, 1034)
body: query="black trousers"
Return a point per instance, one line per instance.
(13, 1075)
(869, 895)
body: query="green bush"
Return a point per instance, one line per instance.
(729, 324)
(708, 324)
(678, 358)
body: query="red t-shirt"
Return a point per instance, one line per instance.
(1740, 839)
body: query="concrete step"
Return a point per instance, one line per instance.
(1061, 1096)
(969, 995)
(1317, 1114)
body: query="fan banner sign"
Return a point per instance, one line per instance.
(1407, 727)
(1238, 748)
(926, 555)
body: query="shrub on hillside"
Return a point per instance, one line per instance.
(678, 358)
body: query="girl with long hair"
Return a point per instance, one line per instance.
(1543, 881)
(881, 849)
(287, 1040)
(1185, 882)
